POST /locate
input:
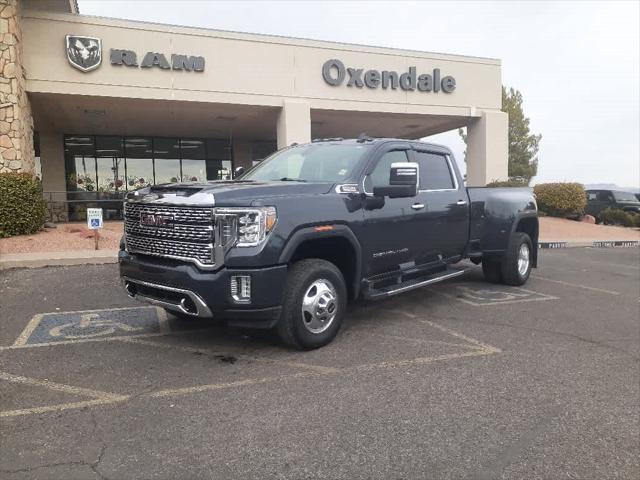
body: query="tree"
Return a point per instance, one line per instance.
(523, 145)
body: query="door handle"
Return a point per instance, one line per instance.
(461, 202)
(417, 206)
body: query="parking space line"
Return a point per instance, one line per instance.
(453, 333)
(163, 320)
(568, 284)
(99, 339)
(425, 360)
(59, 407)
(419, 340)
(210, 351)
(224, 385)
(98, 397)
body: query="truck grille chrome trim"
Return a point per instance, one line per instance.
(186, 233)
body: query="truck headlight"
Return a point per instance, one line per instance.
(254, 224)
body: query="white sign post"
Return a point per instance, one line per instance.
(94, 221)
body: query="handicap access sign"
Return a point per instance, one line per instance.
(94, 218)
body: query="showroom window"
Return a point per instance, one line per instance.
(100, 169)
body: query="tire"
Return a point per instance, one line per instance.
(492, 270)
(515, 267)
(301, 325)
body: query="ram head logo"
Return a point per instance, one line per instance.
(84, 53)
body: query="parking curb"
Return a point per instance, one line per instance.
(594, 244)
(53, 259)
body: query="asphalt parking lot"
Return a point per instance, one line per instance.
(461, 380)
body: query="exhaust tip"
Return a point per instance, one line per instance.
(188, 306)
(131, 289)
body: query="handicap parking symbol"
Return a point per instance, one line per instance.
(497, 295)
(95, 222)
(92, 324)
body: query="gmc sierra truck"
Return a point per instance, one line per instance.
(287, 244)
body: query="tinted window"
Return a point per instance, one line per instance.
(434, 171)
(380, 175)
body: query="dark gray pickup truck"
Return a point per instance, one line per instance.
(289, 243)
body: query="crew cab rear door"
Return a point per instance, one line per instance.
(443, 223)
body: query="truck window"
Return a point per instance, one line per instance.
(380, 175)
(434, 172)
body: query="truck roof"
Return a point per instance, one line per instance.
(370, 140)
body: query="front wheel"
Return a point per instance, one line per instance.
(314, 304)
(516, 266)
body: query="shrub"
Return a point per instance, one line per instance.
(22, 208)
(615, 216)
(561, 199)
(507, 183)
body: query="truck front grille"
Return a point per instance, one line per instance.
(185, 233)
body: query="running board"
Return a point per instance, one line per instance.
(413, 284)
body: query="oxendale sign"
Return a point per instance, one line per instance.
(335, 73)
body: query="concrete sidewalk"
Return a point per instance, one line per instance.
(44, 259)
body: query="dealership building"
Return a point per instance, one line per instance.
(99, 106)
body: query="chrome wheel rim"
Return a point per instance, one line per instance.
(319, 306)
(523, 259)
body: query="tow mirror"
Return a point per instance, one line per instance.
(403, 181)
(238, 171)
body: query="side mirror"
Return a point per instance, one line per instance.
(238, 171)
(403, 181)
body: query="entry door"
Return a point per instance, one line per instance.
(443, 225)
(388, 238)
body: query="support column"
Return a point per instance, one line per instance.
(294, 123)
(16, 123)
(54, 175)
(487, 149)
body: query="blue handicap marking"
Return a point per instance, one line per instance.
(88, 324)
(95, 222)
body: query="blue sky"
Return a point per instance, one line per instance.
(576, 63)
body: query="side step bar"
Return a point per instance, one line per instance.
(413, 284)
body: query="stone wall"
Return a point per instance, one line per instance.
(16, 123)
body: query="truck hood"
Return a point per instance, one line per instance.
(226, 192)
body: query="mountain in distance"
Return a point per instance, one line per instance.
(610, 186)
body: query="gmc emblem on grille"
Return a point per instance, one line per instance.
(151, 220)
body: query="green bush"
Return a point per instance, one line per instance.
(22, 208)
(615, 216)
(561, 199)
(507, 183)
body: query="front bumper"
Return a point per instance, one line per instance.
(183, 288)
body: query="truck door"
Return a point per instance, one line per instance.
(443, 222)
(388, 238)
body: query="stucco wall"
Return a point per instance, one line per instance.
(247, 69)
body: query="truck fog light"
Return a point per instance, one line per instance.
(241, 288)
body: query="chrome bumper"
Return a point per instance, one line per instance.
(174, 299)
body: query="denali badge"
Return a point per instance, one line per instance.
(84, 53)
(151, 220)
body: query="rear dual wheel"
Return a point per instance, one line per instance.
(515, 267)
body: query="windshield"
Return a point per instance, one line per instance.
(625, 197)
(322, 162)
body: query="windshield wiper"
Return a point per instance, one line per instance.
(287, 179)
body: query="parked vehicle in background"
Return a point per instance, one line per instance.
(290, 242)
(598, 200)
(637, 195)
